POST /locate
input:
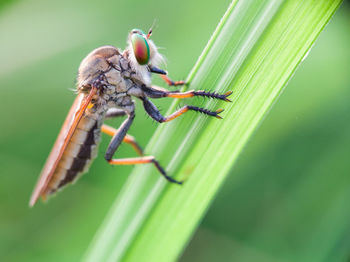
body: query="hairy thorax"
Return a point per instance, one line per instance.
(119, 78)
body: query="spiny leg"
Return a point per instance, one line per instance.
(158, 92)
(143, 160)
(111, 131)
(153, 111)
(193, 93)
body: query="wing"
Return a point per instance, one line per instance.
(73, 118)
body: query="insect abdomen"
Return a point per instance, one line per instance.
(80, 151)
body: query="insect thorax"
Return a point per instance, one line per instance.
(119, 76)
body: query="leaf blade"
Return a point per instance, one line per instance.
(257, 60)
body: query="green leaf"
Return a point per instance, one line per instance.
(253, 52)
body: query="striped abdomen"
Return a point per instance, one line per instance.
(80, 151)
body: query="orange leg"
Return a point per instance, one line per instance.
(136, 160)
(127, 139)
(143, 160)
(171, 82)
(158, 92)
(153, 111)
(194, 108)
(193, 93)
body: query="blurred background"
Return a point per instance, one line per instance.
(287, 199)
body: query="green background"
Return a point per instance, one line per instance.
(287, 199)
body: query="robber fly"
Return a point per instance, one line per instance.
(107, 80)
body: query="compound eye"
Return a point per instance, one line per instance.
(140, 47)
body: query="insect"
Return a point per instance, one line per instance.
(107, 80)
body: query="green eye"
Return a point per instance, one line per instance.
(141, 48)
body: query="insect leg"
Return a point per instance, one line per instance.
(115, 112)
(119, 136)
(163, 74)
(156, 70)
(171, 82)
(158, 92)
(143, 160)
(153, 111)
(193, 93)
(127, 139)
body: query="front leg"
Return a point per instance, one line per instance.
(163, 74)
(171, 82)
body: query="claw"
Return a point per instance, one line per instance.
(228, 93)
(218, 112)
